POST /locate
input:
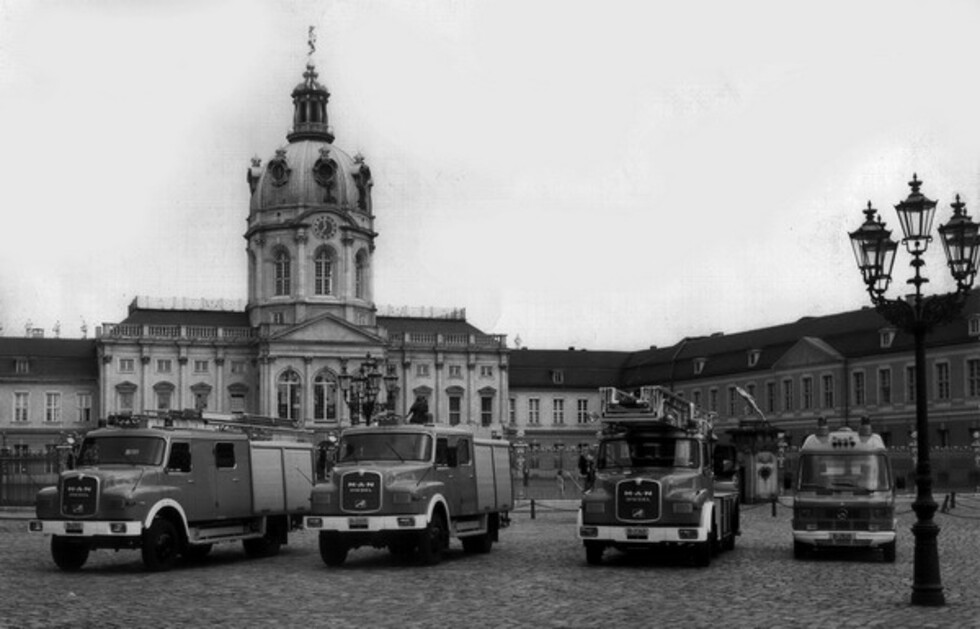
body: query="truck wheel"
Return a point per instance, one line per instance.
(593, 553)
(269, 544)
(888, 551)
(69, 555)
(800, 550)
(433, 540)
(333, 549)
(478, 543)
(161, 546)
(704, 550)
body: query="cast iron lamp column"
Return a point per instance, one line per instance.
(916, 314)
(361, 389)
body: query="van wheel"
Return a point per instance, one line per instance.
(69, 555)
(433, 540)
(161, 546)
(333, 549)
(888, 551)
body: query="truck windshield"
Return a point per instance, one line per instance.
(648, 452)
(844, 472)
(386, 447)
(122, 450)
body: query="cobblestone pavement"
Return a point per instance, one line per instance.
(536, 576)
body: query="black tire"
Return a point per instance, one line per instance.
(433, 540)
(195, 553)
(888, 552)
(161, 546)
(68, 554)
(593, 553)
(800, 550)
(479, 544)
(333, 549)
(704, 550)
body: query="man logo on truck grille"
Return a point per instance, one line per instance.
(360, 504)
(842, 514)
(638, 513)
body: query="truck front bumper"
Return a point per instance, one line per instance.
(844, 538)
(364, 524)
(639, 534)
(87, 528)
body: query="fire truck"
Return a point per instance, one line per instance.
(173, 484)
(845, 496)
(410, 488)
(660, 480)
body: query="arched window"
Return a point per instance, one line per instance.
(324, 397)
(360, 274)
(282, 273)
(323, 272)
(287, 398)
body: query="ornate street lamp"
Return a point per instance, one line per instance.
(361, 389)
(874, 251)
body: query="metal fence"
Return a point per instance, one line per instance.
(21, 476)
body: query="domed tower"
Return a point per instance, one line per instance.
(310, 226)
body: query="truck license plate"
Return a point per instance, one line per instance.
(357, 523)
(637, 533)
(73, 527)
(842, 539)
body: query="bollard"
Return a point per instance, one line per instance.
(773, 506)
(945, 507)
(952, 500)
(532, 508)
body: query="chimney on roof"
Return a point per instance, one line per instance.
(571, 348)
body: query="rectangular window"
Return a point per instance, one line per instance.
(713, 400)
(910, 384)
(807, 401)
(278, 318)
(534, 411)
(973, 377)
(21, 408)
(788, 395)
(126, 401)
(732, 401)
(22, 366)
(455, 409)
(52, 407)
(201, 366)
(696, 397)
(942, 381)
(884, 386)
(486, 410)
(83, 407)
(770, 397)
(238, 366)
(828, 390)
(486, 371)
(455, 371)
(422, 369)
(582, 411)
(164, 365)
(201, 401)
(237, 402)
(224, 455)
(127, 365)
(558, 411)
(557, 376)
(163, 400)
(512, 410)
(857, 378)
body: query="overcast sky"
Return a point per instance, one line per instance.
(607, 175)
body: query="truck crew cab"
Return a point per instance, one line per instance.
(655, 481)
(173, 485)
(411, 488)
(845, 497)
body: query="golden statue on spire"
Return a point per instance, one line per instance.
(311, 40)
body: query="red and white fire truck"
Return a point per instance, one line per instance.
(845, 494)
(660, 479)
(174, 484)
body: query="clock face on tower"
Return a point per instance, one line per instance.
(323, 227)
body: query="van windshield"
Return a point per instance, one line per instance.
(844, 472)
(386, 447)
(121, 451)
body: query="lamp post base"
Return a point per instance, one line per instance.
(927, 588)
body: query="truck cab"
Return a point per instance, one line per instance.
(411, 488)
(845, 492)
(655, 482)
